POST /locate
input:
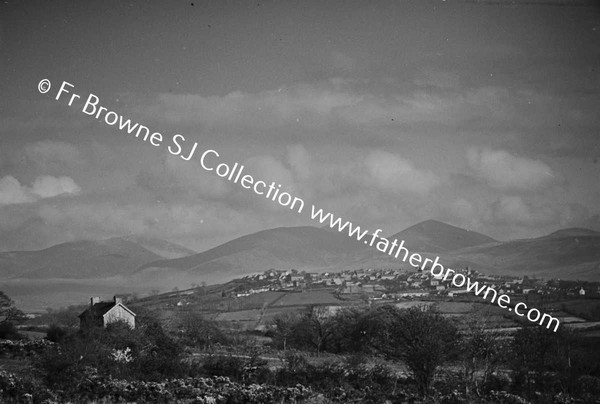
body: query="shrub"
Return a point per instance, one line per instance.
(229, 366)
(197, 331)
(497, 382)
(9, 331)
(55, 333)
(151, 355)
(22, 390)
(251, 369)
(93, 387)
(588, 386)
(502, 397)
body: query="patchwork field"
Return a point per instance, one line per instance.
(260, 309)
(308, 297)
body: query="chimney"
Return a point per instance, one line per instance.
(94, 300)
(118, 300)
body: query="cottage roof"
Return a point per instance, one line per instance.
(101, 308)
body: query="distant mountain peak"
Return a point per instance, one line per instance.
(432, 224)
(435, 236)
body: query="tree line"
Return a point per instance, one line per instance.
(533, 360)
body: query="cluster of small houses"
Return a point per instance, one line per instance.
(398, 283)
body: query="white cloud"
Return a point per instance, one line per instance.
(505, 171)
(517, 211)
(12, 192)
(47, 186)
(336, 101)
(389, 171)
(343, 108)
(299, 161)
(462, 209)
(263, 110)
(192, 177)
(268, 169)
(177, 221)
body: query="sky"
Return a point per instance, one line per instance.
(481, 114)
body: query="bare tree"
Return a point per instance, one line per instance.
(199, 331)
(481, 354)
(419, 336)
(318, 328)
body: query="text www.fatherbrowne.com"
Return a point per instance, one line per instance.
(398, 250)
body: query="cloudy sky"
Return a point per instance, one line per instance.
(481, 114)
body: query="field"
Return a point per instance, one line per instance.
(586, 308)
(308, 297)
(258, 310)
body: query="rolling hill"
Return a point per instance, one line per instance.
(88, 258)
(160, 247)
(69, 273)
(566, 254)
(307, 248)
(437, 237)
(77, 260)
(572, 232)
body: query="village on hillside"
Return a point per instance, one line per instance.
(254, 301)
(399, 284)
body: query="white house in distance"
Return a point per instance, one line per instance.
(101, 314)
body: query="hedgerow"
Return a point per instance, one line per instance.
(202, 390)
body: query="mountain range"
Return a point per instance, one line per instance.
(139, 264)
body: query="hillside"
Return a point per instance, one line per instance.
(77, 260)
(159, 247)
(308, 248)
(566, 254)
(436, 237)
(572, 232)
(71, 272)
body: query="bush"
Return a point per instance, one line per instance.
(24, 348)
(229, 366)
(9, 331)
(146, 352)
(55, 333)
(497, 382)
(341, 382)
(22, 390)
(197, 331)
(93, 387)
(589, 387)
(502, 397)
(241, 369)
